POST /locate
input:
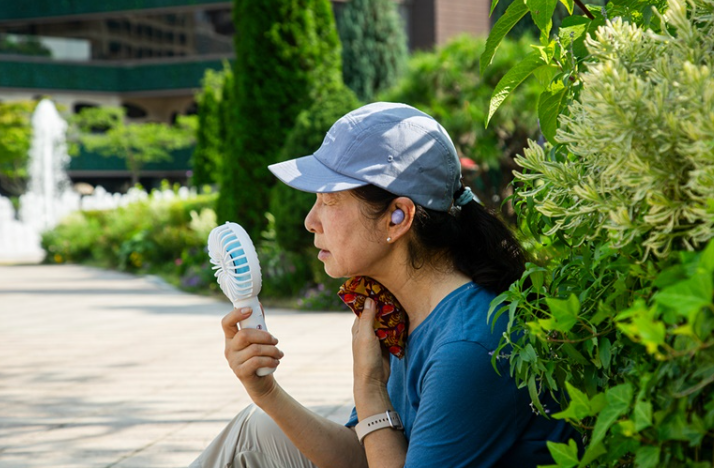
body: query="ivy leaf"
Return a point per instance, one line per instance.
(564, 313)
(706, 261)
(579, 406)
(542, 13)
(689, 296)
(618, 401)
(505, 23)
(647, 457)
(565, 455)
(593, 451)
(550, 104)
(643, 415)
(511, 80)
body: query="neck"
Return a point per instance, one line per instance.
(422, 291)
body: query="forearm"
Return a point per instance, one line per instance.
(326, 443)
(385, 448)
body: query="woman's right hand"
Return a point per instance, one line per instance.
(247, 350)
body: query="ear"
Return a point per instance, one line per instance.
(396, 231)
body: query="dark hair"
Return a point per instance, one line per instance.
(471, 237)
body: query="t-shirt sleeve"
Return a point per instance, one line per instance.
(352, 422)
(468, 414)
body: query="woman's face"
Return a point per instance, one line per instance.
(348, 241)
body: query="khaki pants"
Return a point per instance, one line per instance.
(252, 440)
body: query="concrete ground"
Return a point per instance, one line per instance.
(104, 369)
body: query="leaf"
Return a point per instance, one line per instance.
(545, 73)
(569, 4)
(564, 312)
(493, 7)
(528, 354)
(706, 261)
(688, 297)
(505, 23)
(643, 415)
(550, 105)
(604, 353)
(579, 406)
(618, 400)
(511, 80)
(593, 451)
(647, 457)
(542, 13)
(565, 455)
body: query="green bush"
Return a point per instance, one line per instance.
(620, 323)
(446, 84)
(165, 237)
(374, 46)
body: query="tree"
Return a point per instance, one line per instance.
(15, 141)
(207, 157)
(374, 47)
(106, 131)
(284, 51)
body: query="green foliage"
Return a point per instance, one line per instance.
(106, 131)
(374, 46)
(285, 51)
(15, 141)
(446, 84)
(208, 155)
(158, 236)
(618, 320)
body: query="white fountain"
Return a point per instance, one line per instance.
(49, 196)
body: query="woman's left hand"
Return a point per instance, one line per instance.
(371, 363)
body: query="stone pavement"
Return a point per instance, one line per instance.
(104, 369)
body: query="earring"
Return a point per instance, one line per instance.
(389, 239)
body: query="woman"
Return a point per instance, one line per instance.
(390, 206)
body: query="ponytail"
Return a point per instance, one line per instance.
(471, 238)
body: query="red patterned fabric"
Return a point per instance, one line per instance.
(392, 324)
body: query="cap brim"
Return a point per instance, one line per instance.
(310, 175)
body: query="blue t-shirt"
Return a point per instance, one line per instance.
(457, 411)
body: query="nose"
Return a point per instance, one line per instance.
(312, 222)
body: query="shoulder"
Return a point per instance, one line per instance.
(462, 316)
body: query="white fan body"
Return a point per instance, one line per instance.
(238, 273)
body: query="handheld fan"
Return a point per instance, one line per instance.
(238, 273)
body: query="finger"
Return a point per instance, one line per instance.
(366, 320)
(257, 349)
(248, 336)
(251, 366)
(230, 321)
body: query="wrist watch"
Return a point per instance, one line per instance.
(390, 419)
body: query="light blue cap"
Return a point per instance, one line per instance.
(392, 146)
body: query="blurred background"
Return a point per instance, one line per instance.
(130, 128)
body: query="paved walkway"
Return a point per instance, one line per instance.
(103, 369)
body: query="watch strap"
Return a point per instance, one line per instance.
(389, 419)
